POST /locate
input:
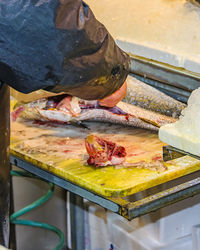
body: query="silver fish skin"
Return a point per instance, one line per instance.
(75, 110)
(90, 111)
(103, 115)
(149, 98)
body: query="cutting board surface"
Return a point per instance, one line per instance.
(61, 150)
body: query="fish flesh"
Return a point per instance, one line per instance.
(149, 98)
(68, 109)
(102, 152)
(107, 153)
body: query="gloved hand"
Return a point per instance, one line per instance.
(117, 96)
(58, 46)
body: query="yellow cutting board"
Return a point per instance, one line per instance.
(60, 150)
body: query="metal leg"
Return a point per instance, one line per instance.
(77, 222)
(4, 164)
(12, 244)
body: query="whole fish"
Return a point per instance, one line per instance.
(147, 97)
(68, 109)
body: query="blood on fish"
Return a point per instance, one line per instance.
(127, 117)
(102, 152)
(40, 122)
(72, 110)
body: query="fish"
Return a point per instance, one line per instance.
(103, 152)
(149, 98)
(147, 116)
(70, 110)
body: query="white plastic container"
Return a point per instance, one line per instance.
(175, 227)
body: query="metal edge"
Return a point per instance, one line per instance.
(165, 66)
(77, 221)
(174, 92)
(164, 73)
(129, 210)
(104, 202)
(162, 199)
(171, 153)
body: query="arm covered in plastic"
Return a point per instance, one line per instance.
(59, 46)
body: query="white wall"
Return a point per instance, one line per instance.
(162, 30)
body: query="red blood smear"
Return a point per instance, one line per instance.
(127, 117)
(157, 158)
(67, 151)
(15, 114)
(136, 154)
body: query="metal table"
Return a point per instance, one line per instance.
(174, 81)
(122, 206)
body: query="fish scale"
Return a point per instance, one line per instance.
(147, 97)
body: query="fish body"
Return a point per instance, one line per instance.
(147, 116)
(73, 110)
(149, 98)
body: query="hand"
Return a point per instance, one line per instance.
(117, 96)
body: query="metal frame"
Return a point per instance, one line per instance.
(122, 206)
(162, 199)
(4, 165)
(127, 209)
(77, 221)
(168, 74)
(170, 153)
(104, 202)
(174, 81)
